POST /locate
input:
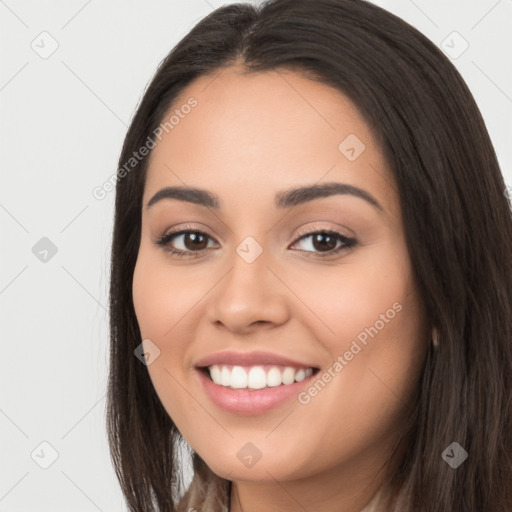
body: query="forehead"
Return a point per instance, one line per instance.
(260, 132)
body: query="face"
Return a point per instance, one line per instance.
(316, 282)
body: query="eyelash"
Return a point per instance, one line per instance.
(163, 242)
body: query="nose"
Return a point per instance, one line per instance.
(251, 295)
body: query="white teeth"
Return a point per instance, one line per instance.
(215, 373)
(288, 375)
(238, 378)
(273, 377)
(255, 377)
(300, 375)
(225, 377)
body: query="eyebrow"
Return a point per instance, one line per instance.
(284, 199)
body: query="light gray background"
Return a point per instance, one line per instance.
(64, 118)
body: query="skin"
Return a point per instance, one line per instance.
(248, 138)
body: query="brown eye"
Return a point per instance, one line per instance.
(325, 243)
(188, 242)
(194, 241)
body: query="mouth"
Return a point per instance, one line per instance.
(252, 390)
(254, 382)
(257, 377)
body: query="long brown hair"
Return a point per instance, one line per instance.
(457, 223)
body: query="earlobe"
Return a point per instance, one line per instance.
(435, 338)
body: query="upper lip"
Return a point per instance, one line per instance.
(249, 359)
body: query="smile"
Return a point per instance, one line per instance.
(256, 377)
(253, 390)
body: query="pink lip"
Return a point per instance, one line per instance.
(250, 402)
(249, 359)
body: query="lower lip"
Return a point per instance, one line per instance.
(244, 401)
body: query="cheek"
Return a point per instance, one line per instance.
(167, 303)
(367, 289)
(160, 314)
(375, 324)
(160, 296)
(147, 292)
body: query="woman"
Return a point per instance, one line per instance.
(311, 273)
